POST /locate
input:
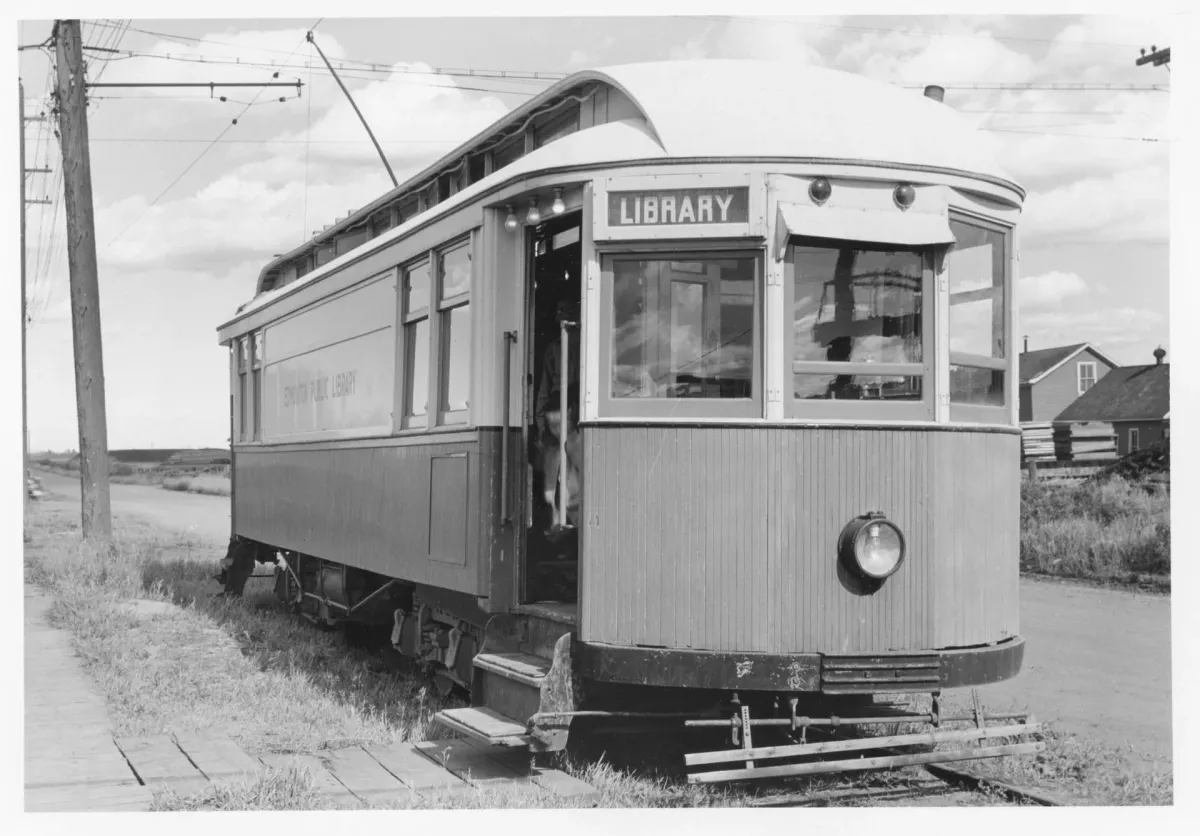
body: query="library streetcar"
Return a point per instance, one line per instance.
(686, 391)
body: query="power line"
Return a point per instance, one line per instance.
(923, 32)
(1076, 136)
(278, 141)
(207, 148)
(375, 66)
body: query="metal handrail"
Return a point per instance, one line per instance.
(510, 339)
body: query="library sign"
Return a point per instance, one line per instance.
(678, 207)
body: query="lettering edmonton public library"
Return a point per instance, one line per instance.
(679, 206)
(340, 385)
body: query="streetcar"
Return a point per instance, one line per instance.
(685, 390)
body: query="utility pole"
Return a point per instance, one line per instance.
(85, 293)
(1157, 57)
(24, 409)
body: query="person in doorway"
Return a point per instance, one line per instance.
(548, 416)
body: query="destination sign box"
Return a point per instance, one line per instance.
(678, 207)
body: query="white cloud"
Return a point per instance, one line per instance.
(1129, 205)
(794, 40)
(1048, 289)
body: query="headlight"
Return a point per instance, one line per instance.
(873, 546)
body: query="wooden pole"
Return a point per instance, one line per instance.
(24, 315)
(85, 291)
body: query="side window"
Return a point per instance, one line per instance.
(1087, 376)
(858, 330)
(454, 327)
(256, 384)
(416, 344)
(243, 360)
(1135, 440)
(977, 270)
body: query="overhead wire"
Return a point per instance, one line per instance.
(201, 155)
(919, 32)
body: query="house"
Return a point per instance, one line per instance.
(1135, 400)
(1051, 378)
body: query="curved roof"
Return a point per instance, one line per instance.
(749, 108)
(717, 108)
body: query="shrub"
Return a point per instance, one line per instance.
(1111, 529)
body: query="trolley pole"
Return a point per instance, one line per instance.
(85, 292)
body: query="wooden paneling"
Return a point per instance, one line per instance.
(1059, 389)
(725, 538)
(370, 507)
(448, 480)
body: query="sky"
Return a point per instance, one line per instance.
(184, 225)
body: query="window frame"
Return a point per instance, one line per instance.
(257, 365)
(1135, 440)
(243, 371)
(444, 308)
(681, 408)
(922, 410)
(436, 312)
(1079, 374)
(964, 413)
(410, 318)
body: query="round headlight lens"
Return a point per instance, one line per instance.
(878, 549)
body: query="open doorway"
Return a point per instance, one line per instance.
(552, 536)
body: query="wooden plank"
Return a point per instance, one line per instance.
(473, 765)
(861, 764)
(217, 756)
(484, 721)
(323, 780)
(410, 766)
(560, 783)
(364, 776)
(159, 762)
(858, 744)
(520, 762)
(113, 797)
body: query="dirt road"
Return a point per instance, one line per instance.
(1097, 661)
(206, 518)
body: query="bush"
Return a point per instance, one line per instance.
(1110, 529)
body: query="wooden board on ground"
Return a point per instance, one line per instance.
(84, 799)
(474, 765)
(158, 762)
(552, 780)
(364, 776)
(323, 780)
(217, 756)
(413, 768)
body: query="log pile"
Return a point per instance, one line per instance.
(1037, 441)
(1090, 441)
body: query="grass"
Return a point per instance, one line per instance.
(1113, 530)
(275, 684)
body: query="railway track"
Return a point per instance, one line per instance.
(938, 784)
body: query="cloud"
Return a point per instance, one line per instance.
(796, 40)
(972, 57)
(1129, 205)
(1048, 289)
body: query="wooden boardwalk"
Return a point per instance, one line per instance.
(73, 762)
(361, 776)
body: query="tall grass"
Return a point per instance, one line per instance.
(1111, 530)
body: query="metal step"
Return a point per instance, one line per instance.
(484, 725)
(520, 667)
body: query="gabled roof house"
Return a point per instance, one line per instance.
(1136, 400)
(1051, 378)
